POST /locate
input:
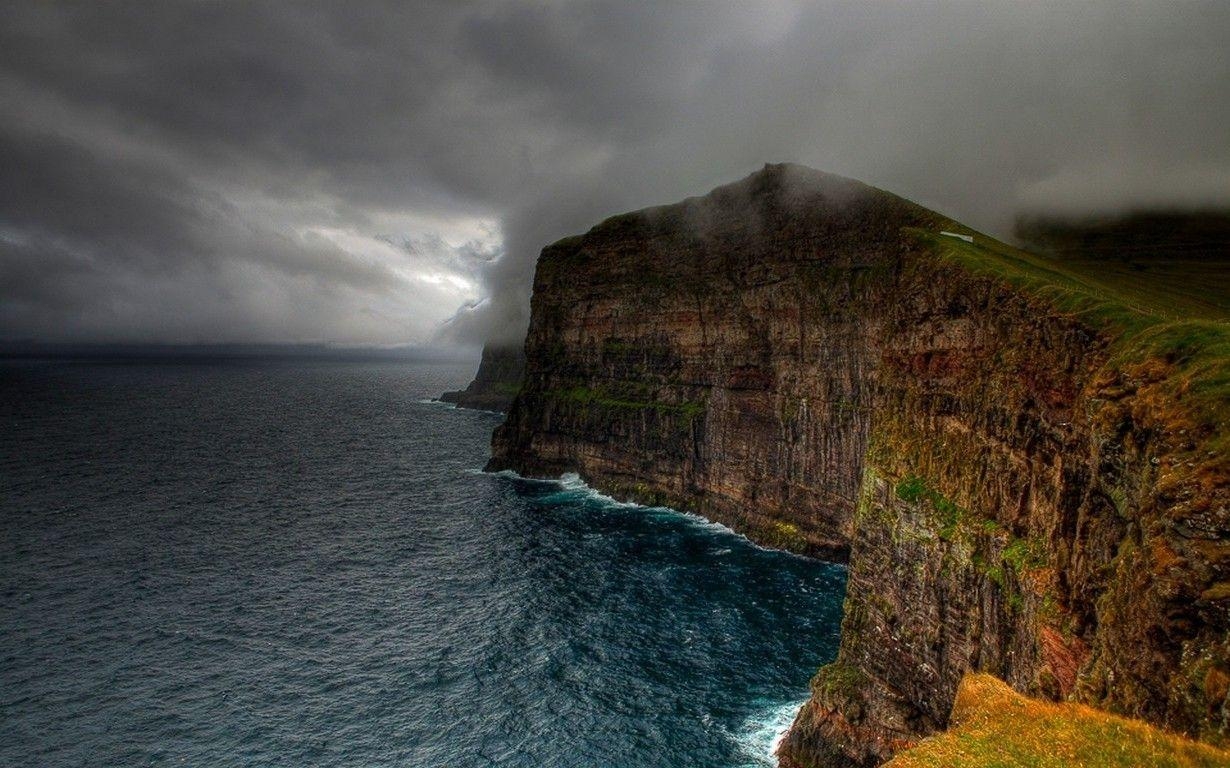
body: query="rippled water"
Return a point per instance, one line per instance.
(299, 564)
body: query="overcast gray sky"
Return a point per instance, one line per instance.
(372, 173)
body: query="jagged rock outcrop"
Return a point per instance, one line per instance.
(1027, 479)
(497, 381)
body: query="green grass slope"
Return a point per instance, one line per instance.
(1178, 261)
(1172, 312)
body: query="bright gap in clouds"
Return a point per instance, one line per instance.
(388, 173)
(437, 261)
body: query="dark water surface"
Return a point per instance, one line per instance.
(299, 564)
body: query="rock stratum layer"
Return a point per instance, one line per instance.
(1027, 478)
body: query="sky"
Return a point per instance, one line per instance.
(367, 173)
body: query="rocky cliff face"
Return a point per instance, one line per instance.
(1017, 488)
(497, 381)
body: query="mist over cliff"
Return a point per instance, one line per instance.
(305, 172)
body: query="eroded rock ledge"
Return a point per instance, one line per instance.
(1018, 490)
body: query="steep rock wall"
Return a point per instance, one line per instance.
(713, 355)
(795, 355)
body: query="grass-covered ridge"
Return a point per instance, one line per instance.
(995, 727)
(1182, 257)
(1167, 316)
(1110, 288)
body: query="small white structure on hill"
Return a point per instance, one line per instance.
(966, 238)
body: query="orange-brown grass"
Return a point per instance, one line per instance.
(995, 727)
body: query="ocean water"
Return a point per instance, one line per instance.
(301, 564)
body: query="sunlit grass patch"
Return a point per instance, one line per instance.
(996, 727)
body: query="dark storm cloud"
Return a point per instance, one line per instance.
(350, 172)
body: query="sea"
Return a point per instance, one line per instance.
(250, 562)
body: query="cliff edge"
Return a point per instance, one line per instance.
(1026, 472)
(497, 382)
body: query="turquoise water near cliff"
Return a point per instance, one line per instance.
(299, 563)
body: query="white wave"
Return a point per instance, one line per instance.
(572, 482)
(763, 732)
(434, 401)
(713, 525)
(513, 475)
(454, 406)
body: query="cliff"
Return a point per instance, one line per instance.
(1027, 473)
(497, 381)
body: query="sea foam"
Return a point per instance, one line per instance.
(762, 733)
(572, 483)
